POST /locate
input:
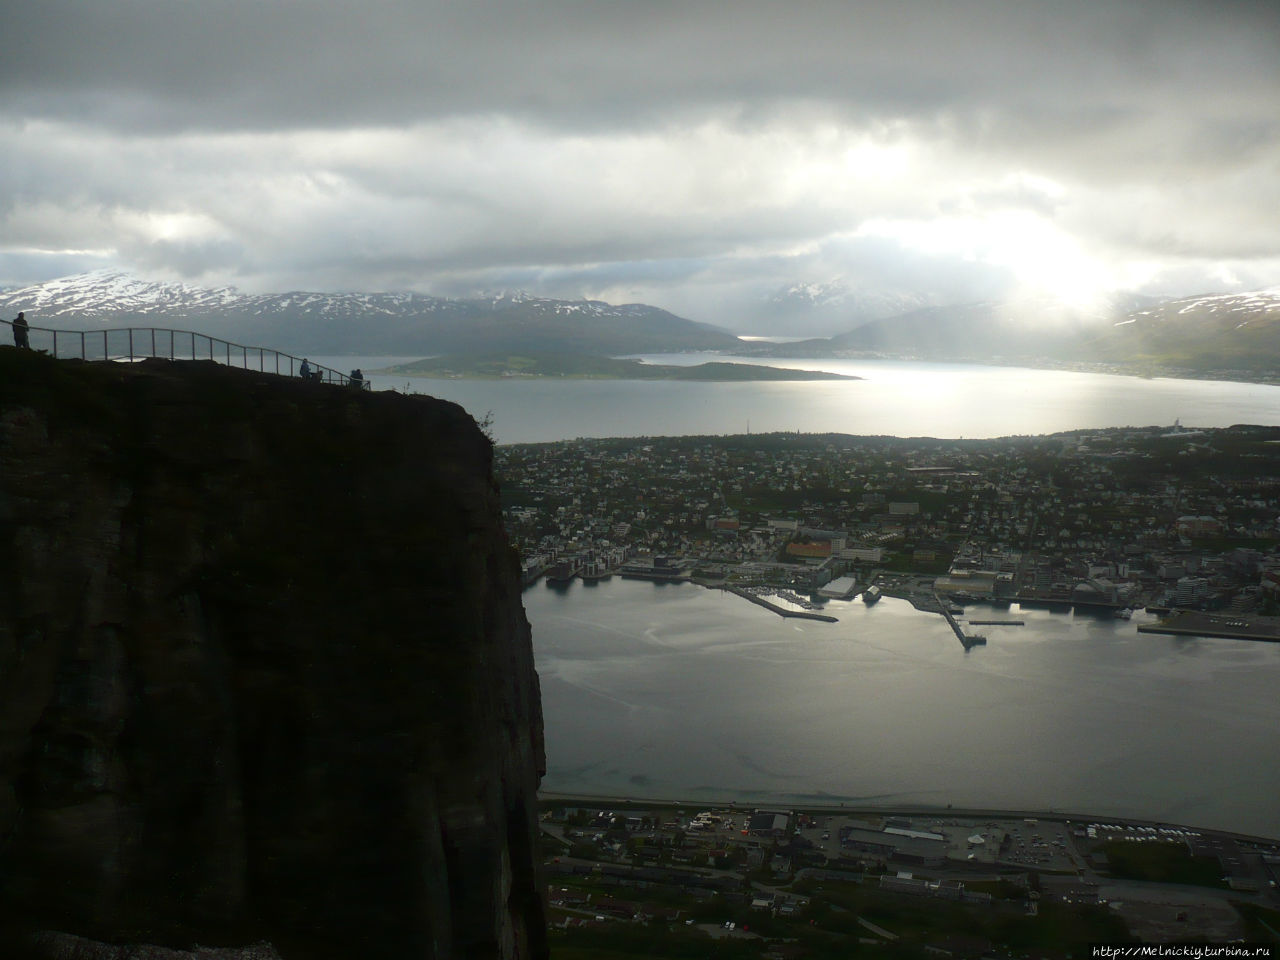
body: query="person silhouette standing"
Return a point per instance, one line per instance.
(20, 329)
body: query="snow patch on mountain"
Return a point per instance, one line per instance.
(859, 301)
(1253, 301)
(342, 322)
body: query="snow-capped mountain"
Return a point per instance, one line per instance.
(1236, 308)
(1226, 333)
(838, 293)
(1211, 332)
(106, 291)
(825, 307)
(393, 323)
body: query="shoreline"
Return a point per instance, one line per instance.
(1100, 367)
(854, 807)
(680, 780)
(780, 611)
(1245, 627)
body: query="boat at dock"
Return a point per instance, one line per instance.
(563, 572)
(871, 595)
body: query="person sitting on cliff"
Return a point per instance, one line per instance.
(20, 332)
(304, 371)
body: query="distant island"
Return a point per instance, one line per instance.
(596, 368)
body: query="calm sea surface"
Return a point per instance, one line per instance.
(896, 398)
(677, 692)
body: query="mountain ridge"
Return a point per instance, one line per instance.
(1236, 334)
(308, 321)
(1231, 334)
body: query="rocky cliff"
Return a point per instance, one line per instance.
(264, 669)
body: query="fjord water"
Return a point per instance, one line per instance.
(896, 398)
(678, 692)
(685, 693)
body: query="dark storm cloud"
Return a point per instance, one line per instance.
(682, 152)
(240, 64)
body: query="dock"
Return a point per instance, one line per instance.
(968, 640)
(997, 623)
(780, 611)
(657, 574)
(1193, 623)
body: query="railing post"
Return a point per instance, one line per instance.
(321, 373)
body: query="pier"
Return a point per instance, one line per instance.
(1193, 623)
(997, 623)
(968, 640)
(780, 611)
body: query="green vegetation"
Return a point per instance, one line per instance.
(905, 562)
(1161, 862)
(587, 367)
(828, 926)
(1261, 924)
(619, 941)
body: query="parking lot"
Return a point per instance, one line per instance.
(1024, 843)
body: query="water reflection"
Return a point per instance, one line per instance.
(700, 695)
(897, 398)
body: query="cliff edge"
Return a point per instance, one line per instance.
(264, 669)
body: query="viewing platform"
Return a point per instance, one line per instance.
(128, 344)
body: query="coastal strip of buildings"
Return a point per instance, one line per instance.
(1168, 519)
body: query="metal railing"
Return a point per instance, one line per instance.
(126, 344)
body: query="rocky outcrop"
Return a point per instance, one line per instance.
(264, 670)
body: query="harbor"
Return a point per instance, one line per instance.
(1225, 625)
(764, 601)
(921, 592)
(697, 693)
(967, 640)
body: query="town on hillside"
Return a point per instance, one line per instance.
(1184, 522)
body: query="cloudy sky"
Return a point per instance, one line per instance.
(695, 155)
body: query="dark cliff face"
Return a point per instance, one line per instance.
(264, 670)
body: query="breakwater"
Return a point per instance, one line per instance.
(968, 640)
(780, 611)
(1227, 626)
